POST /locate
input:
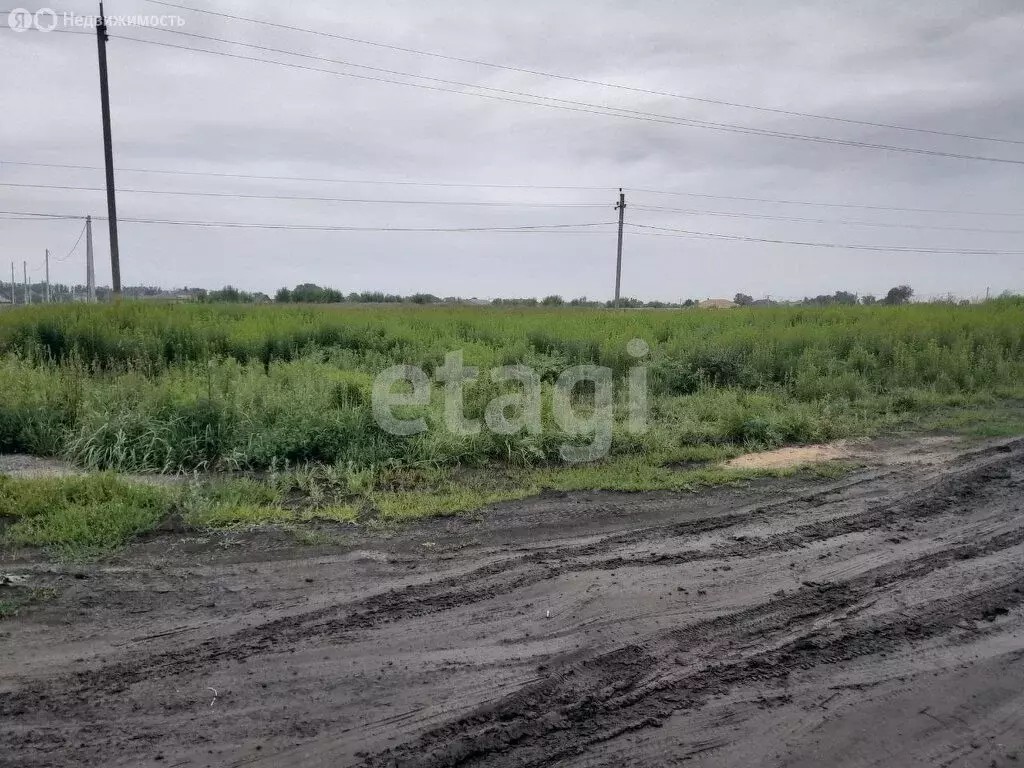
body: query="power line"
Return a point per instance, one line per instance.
(75, 246)
(822, 204)
(565, 187)
(849, 222)
(587, 81)
(28, 216)
(256, 177)
(484, 203)
(574, 106)
(537, 228)
(540, 228)
(845, 246)
(49, 31)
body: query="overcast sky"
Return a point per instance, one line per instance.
(946, 66)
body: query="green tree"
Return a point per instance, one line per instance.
(898, 295)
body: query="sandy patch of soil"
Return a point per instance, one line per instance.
(930, 449)
(793, 456)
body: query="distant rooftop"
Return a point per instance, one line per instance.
(717, 304)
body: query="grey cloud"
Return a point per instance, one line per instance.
(944, 66)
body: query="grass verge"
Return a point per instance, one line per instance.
(86, 517)
(79, 517)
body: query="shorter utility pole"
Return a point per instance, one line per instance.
(24, 268)
(621, 207)
(14, 295)
(90, 270)
(47, 275)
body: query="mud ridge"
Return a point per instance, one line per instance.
(614, 693)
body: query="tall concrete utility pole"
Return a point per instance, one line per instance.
(14, 295)
(90, 270)
(24, 268)
(47, 276)
(108, 151)
(621, 207)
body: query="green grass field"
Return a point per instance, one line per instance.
(281, 398)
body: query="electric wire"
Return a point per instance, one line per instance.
(586, 81)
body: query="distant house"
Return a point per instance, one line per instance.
(171, 297)
(718, 304)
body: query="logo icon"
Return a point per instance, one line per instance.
(20, 20)
(46, 20)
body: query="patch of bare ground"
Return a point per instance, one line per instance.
(916, 450)
(793, 456)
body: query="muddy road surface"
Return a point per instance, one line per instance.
(877, 619)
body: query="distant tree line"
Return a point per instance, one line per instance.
(583, 301)
(311, 293)
(900, 294)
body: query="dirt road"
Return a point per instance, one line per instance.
(872, 620)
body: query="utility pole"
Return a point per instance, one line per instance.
(47, 275)
(108, 151)
(24, 267)
(14, 295)
(90, 270)
(621, 207)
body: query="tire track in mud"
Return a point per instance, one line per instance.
(641, 685)
(939, 500)
(419, 600)
(983, 475)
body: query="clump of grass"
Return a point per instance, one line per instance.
(831, 469)
(79, 517)
(227, 515)
(14, 600)
(634, 474)
(404, 506)
(232, 503)
(343, 513)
